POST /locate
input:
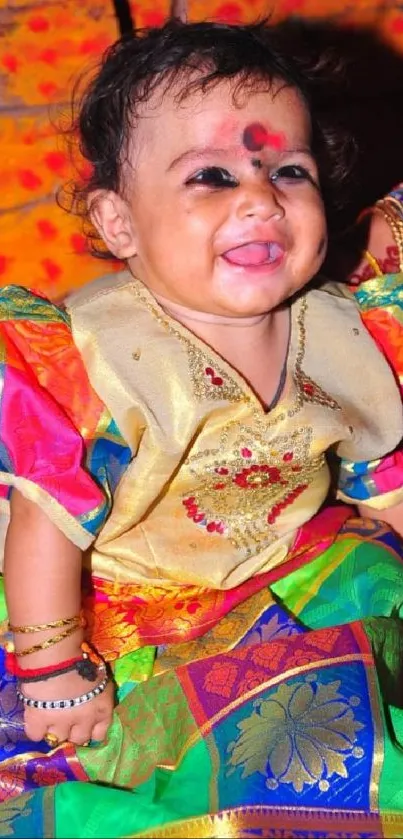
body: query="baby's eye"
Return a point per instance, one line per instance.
(213, 176)
(292, 172)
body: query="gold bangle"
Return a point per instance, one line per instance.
(40, 627)
(373, 263)
(393, 218)
(51, 641)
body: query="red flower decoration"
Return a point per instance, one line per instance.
(48, 776)
(252, 679)
(215, 380)
(289, 499)
(12, 781)
(258, 476)
(199, 517)
(221, 678)
(268, 655)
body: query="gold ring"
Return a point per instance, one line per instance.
(52, 740)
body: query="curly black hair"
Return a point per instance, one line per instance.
(199, 56)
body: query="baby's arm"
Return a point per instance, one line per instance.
(42, 574)
(348, 254)
(382, 246)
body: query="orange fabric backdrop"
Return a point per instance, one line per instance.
(44, 47)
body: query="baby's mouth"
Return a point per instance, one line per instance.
(254, 254)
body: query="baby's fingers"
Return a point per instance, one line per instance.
(37, 725)
(100, 730)
(104, 715)
(80, 734)
(35, 730)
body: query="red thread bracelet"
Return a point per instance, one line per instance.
(14, 669)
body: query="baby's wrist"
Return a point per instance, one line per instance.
(67, 649)
(48, 643)
(84, 660)
(68, 686)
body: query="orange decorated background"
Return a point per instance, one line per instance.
(45, 45)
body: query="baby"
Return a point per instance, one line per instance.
(182, 413)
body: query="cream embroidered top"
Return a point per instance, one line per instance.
(217, 487)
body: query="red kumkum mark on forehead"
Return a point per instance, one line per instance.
(256, 136)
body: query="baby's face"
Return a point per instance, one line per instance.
(225, 205)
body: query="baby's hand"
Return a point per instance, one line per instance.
(89, 721)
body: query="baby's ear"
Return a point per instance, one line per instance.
(111, 216)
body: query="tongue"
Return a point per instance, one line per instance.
(256, 253)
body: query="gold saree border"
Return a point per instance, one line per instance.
(278, 822)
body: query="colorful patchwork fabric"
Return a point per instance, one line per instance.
(57, 442)
(272, 725)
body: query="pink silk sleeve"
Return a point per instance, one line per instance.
(58, 444)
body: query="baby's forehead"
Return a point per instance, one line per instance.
(190, 87)
(184, 106)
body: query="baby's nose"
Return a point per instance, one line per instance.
(260, 200)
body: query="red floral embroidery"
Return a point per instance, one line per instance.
(12, 781)
(252, 679)
(260, 476)
(255, 476)
(241, 653)
(268, 655)
(302, 657)
(325, 639)
(191, 607)
(220, 680)
(243, 496)
(289, 499)
(313, 393)
(46, 776)
(199, 517)
(215, 380)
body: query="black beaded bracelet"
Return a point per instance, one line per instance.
(63, 704)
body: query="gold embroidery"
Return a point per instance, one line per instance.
(308, 390)
(290, 821)
(300, 736)
(203, 385)
(243, 494)
(205, 369)
(224, 636)
(198, 359)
